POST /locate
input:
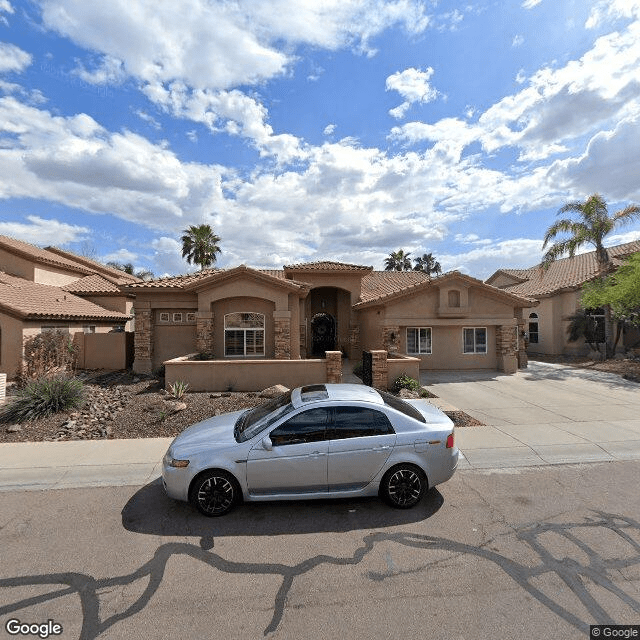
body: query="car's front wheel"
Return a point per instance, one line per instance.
(403, 486)
(214, 493)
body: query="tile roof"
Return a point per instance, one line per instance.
(31, 252)
(120, 276)
(381, 284)
(173, 282)
(566, 273)
(326, 265)
(93, 284)
(30, 300)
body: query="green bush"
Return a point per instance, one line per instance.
(406, 382)
(43, 397)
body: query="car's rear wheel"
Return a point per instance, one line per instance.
(403, 486)
(214, 493)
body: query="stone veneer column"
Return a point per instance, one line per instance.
(204, 332)
(143, 340)
(354, 341)
(334, 366)
(282, 330)
(391, 339)
(523, 358)
(506, 348)
(380, 377)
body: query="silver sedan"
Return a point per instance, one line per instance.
(318, 441)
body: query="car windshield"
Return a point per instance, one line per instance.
(259, 418)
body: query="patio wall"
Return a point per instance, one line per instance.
(251, 375)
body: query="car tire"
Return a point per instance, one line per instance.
(214, 493)
(403, 486)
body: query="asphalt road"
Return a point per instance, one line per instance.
(503, 554)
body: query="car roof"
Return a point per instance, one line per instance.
(334, 392)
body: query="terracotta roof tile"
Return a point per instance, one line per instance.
(380, 284)
(27, 299)
(93, 284)
(566, 273)
(31, 252)
(120, 276)
(174, 282)
(326, 265)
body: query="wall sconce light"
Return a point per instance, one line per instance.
(323, 304)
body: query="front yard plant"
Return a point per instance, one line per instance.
(406, 382)
(43, 397)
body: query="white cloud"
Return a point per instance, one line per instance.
(13, 58)
(413, 85)
(518, 40)
(529, 4)
(611, 10)
(329, 129)
(110, 70)
(5, 7)
(44, 232)
(121, 256)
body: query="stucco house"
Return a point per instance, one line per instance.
(557, 291)
(453, 321)
(54, 290)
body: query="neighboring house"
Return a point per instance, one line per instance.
(558, 289)
(50, 289)
(449, 322)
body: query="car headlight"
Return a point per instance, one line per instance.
(170, 461)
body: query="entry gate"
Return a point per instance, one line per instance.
(367, 368)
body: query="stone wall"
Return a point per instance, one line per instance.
(380, 372)
(143, 344)
(334, 366)
(282, 338)
(204, 332)
(506, 348)
(391, 339)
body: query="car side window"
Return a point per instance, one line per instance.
(308, 426)
(358, 422)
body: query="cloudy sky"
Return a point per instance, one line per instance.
(307, 130)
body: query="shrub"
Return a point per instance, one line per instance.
(406, 382)
(43, 397)
(178, 389)
(47, 353)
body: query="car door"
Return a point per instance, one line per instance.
(297, 460)
(361, 441)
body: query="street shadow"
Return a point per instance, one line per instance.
(150, 511)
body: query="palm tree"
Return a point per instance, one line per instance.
(593, 224)
(428, 264)
(200, 245)
(143, 274)
(398, 261)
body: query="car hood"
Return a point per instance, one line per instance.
(433, 415)
(217, 430)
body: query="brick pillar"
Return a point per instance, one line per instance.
(282, 328)
(143, 341)
(334, 366)
(380, 377)
(506, 349)
(204, 332)
(391, 339)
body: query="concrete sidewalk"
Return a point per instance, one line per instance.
(544, 415)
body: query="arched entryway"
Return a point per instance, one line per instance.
(323, 334)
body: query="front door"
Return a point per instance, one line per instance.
(297, 461)
(323, 334)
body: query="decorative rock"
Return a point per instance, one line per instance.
(407, 393)
(176, 406)
(274, 391)
(14, 428)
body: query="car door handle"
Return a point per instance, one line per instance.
(317, 454)
(386, 447)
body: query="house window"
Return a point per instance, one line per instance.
(89, 328)
(164, 317)
(56, 329)
(533, 328)
(474, 340)
(454, 298)
(177, 317)
(244, 334)
(191, 317)
(419, 340)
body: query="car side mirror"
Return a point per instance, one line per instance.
(266, 443)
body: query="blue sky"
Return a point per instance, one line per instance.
(335, 130)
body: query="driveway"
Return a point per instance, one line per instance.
(547, 413)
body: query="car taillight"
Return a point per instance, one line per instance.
(450, 441)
